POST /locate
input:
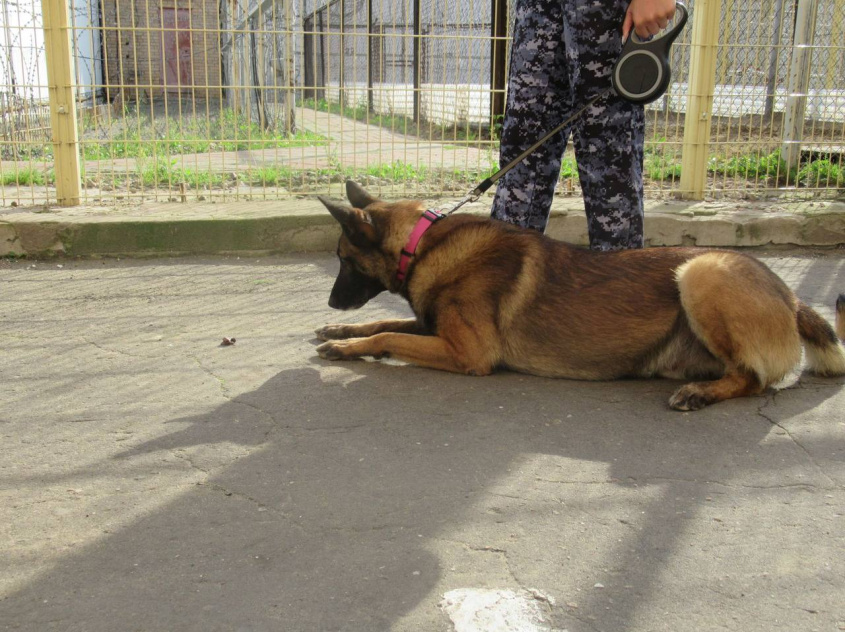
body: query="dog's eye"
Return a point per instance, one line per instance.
(349, 263)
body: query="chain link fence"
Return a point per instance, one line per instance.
(750, 100)
(238, 99)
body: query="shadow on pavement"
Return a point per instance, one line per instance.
(353, 470)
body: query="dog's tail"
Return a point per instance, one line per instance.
(825, 353)
(840, 317)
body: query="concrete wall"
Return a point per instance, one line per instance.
(447, 104)
(440, 104)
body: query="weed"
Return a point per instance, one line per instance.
(399, 172)
(568, 168)
(658, 167)
(268, 176)
(157, 173)
(750, 166)
(201, 179)
(25, 151)
(227, 131)
(821, 173)
(26, 176)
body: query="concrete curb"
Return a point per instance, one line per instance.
(204, 228)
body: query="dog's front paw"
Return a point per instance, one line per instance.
(333, 332)
(337, 350)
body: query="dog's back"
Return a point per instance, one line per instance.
(549, 308)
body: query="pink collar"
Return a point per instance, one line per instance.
(428, 218)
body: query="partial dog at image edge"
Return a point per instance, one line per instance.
(488, 295)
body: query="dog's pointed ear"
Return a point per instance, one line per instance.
(357, 196)
(357, 224)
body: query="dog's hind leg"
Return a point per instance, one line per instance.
(746, 317)
(363, 330)
(825, 354)
(697, 395)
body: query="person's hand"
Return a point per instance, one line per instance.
(647, 17)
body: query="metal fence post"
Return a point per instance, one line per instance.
(498, 63)
(702, 83)
(370, 64)
(417, 31)
(771, 77)
(799, 81)
(57, 45)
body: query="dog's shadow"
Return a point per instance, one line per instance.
(356, 477)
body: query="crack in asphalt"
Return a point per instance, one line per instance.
(184, 456)
(794, 440)
(111, 350)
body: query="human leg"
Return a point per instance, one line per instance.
(609, 137)
(538, 100)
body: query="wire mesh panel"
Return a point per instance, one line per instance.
(750, 96)
(457, 62)
(25, 148)
(356, 63)
(202, 99)
(665, 121)
(393, 60)
(456, 68)
(751, 101)
(824, 133)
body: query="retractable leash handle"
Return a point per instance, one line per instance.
(640, 75)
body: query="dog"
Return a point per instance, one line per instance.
(488, 295)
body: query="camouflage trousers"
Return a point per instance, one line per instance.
(562, 55)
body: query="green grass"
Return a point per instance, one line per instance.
(396, 172)
(26, 176)
(202, 179)
(657, 167)
(137, 145)
(155, 149)
(270, 176)
(569, 168)
(751, 166)
(25, 151)
(226, 131)
(139, 137)
(822, 173)
(168, 175)
(399, 172)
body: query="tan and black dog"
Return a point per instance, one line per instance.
(489, 295)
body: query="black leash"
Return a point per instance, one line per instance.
(640, 75)
(478, 191)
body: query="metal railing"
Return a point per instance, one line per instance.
(109, 100)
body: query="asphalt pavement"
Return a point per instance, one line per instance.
(153, 479)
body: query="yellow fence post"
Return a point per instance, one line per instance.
(57, 45)
(702, 83)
